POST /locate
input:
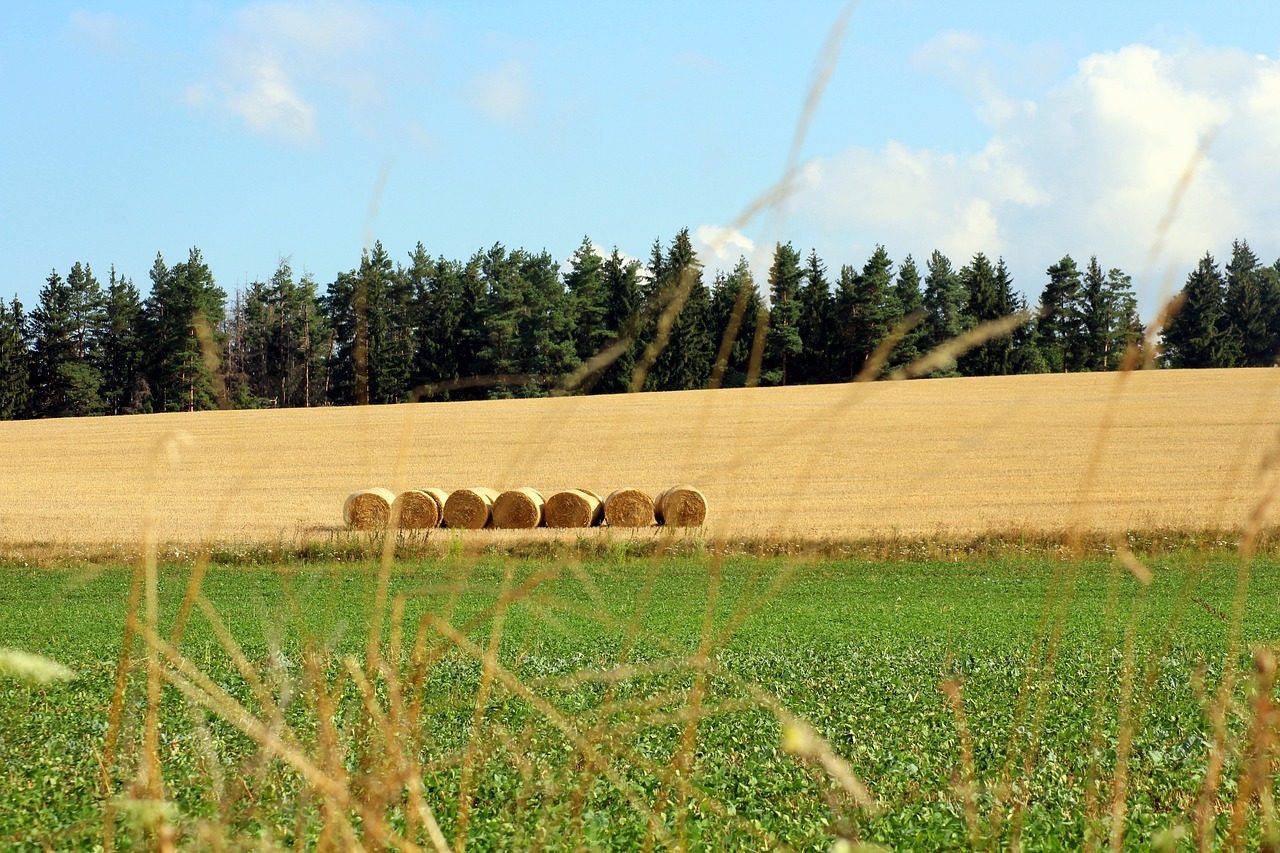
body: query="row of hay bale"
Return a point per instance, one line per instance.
(522, 509)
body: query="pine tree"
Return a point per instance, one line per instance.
(733, 294)
(784, 340)
(1245, 326)
(1193, 337)
(944, 301)
(277, 335)
(121, 359)
(15, 388)
(815, 326)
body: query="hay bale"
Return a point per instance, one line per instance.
(574, 508)
(518, 509)
(681, 506)
(368, 509)
(469, 509)
(419, 509)
(628, 508)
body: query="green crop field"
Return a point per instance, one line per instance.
(623, 702)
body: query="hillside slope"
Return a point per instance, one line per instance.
(1036, 453)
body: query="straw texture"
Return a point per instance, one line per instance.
(368, 509)
(518, 509)
(419, 509)
(628, 508)
(574, 508)
(470, 509)
(681, 506)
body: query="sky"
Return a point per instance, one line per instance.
(1145, 133)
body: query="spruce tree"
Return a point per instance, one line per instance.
(545, 324)
(1193, 338)
(503, 304)
(1026, 355)
(587, 301)
(686, 360)
(987, 300)
(1127, 331)
(871, 309)
(121, 358)
(623, 300)
(1245, 326)
(731, 294)
(389, 328)
(1098, 319)
(784, 340)
(909, 299)
(15, 387)
(944, 302)
(66, 329)
(183, 300)
(815, 326)
(1059, 325)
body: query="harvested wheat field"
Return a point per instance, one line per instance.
(1180, 449)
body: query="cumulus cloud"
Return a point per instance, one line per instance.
(274, 58)
(503, 94)
(1087, 168)
(719, 246)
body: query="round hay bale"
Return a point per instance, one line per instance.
(628, 508)
(439, 496)
(469, 509)
(518, 509)
(368, 509)
(681, 506)
(419, 509)
(574, 508)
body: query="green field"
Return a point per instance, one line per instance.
(859, 650)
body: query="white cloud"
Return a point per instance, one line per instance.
(720, 246)
(502, 94)
(1088, 168)
(271, 104)
(276, 59)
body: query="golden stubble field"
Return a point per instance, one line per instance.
(1102, 452)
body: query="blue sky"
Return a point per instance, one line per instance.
(256, 131)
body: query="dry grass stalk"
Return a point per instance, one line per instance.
(419, 509)
(519, 509)
(628, 508)
(470, 509)
(368, 509)
(681, 506)
(574, 508)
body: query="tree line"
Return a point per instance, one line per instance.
(507, 323)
